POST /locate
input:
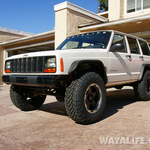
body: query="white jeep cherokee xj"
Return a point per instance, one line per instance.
(78, 73)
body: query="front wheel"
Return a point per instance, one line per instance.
(142, 88)
(21, 101)
(85, 98)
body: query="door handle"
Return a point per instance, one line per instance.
(141, 58)
(129, 57)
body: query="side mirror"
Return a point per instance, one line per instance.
(117, 47)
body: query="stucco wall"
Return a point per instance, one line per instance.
(1, 63)
(74, 19)
(67, 22)
(114, 10)
(117, 11)
(122, 9)
(60, 26)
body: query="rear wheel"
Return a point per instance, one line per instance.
(142, 88)
(85, 98)
(20, 100)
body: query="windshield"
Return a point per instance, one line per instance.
(88, 40)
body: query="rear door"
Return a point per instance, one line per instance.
(145, 50)
(137, 58)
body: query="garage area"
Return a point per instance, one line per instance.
(39, 42)
(33, 48)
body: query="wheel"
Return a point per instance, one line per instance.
(60, 98)
(85, 98)
(142, 88)
(20, 100)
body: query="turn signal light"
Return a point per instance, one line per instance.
(61, 65)
(49, 70)
(7, 71)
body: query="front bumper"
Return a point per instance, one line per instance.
(38, 81)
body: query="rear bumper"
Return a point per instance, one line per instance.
(38, 81)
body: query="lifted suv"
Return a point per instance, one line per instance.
(79, 72)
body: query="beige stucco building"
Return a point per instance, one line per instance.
(130, 16)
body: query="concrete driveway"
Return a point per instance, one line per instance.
(125, 124)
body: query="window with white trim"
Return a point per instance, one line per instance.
(136, 5)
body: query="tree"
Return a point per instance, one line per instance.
(103, 5)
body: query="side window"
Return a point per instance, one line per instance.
(145, 48)
(134, 48)
(120, 39)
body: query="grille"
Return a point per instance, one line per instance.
(27, 65)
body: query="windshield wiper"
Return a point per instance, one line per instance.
(82, 47)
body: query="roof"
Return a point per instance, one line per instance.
(17, 32)
(35, 36)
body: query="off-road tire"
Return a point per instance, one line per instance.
(142, 88)
(78, 106)
(19, 99)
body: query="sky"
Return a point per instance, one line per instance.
(35, 16)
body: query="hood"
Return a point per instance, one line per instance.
(54, 53)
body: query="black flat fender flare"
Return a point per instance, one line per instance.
(102, 68)
(146, 65)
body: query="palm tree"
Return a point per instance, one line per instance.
(103, 5)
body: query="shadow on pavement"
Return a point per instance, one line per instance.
(116, 100)
(55, 108)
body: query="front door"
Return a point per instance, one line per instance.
(119, 62)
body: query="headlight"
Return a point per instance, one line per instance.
(51, 62)
(7, 65)
(50, 65)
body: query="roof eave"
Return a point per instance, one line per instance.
(16, 32)
(115, 22)
(36, 36)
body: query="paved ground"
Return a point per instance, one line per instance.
(49, 128)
